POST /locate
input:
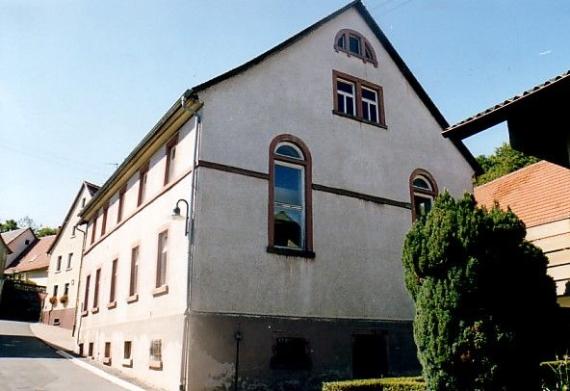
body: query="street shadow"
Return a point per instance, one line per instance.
(20, 346)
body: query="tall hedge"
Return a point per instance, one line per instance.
(484, 303)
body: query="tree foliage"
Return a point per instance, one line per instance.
(505, 160)
(45, 231)
(484, 303)
(8, 225)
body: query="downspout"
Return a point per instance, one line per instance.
(185, 361)
(77, 309)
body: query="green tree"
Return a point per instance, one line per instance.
(505, 160)
(8, 225)
(485, 307)
(45, 231)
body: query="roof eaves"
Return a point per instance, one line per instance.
(155, 129)
(497, 113)
(86, 185)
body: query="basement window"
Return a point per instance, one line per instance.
(291, 353)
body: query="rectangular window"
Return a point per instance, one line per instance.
(81, 352)
(107, 349)
(58, 265)
(346, 99)
(358, 99)
(93, 229)
(55, 290)
(369, 105)
(127, 350)
(289, 205)
(86, 296)
(104, 222)
(143, 174)
(69, 257)
(162, 259)
(156, 351)
(113, 281)
(90, 349)
(134, 271)
(170, 159)
(291, 353)
(354, 44)
(66, 289)
(96, 291)
(121, 204)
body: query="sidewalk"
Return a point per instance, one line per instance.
(54, 335)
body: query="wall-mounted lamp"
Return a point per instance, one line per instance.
(176, 213)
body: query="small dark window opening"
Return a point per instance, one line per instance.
(107, 349)
(127, 350)
(291, 353)
(354, 44)
(90, 351)
(369, 356)
(27, 242)
(81, 349)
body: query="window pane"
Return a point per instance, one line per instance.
(349, 106)
(340, 100)
(288, 184)
(288, 227)
(354, 44)
(345, 87)
(373, 113)
(366, 111)
(288, 150)
(422, 205)
(368, 52)
(340, 42)
(421, 183)
(369, 94)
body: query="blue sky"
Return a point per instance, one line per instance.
(81, 82)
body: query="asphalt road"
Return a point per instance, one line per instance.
(26, 363)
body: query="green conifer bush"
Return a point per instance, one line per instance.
(484, 303)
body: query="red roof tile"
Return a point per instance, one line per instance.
(35, 258)
(538, 194)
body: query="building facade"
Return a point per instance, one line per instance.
(303, 170)
(538, 195)
(32, 264)
(65, 262)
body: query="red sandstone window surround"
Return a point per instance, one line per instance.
(355, 44)
(170, 159)
(358, 99)
(290, 220)
(423, 190)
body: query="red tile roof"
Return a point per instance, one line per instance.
(538, 194)
(35, 258)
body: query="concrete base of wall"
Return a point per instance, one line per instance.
(330, 348)
(62, 318)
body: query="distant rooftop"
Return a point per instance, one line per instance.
(9, 236)
(538, 193)
(35, 258)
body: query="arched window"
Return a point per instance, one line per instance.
(423, 191)
(290, 202)
(354, 44)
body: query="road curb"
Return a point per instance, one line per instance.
(99, 372)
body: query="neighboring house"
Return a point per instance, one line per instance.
(303, 170)
(4, 252)
(539, 195)
(18, 241)
(32, 265)
(65, 263)
(537, 120)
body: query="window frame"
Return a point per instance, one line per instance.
(113, 286)
(364, 45)
(86, 294)
(161, 265)
(143, 179)
(104, 221)
(432, 194)
(359, 85)
(94, 228)
(69, 258)
(58, 263)
(306, 164)
(170, 157)
(134, 272)
(121, 203)
(96, 289)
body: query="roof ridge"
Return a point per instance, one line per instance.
(510, 174)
